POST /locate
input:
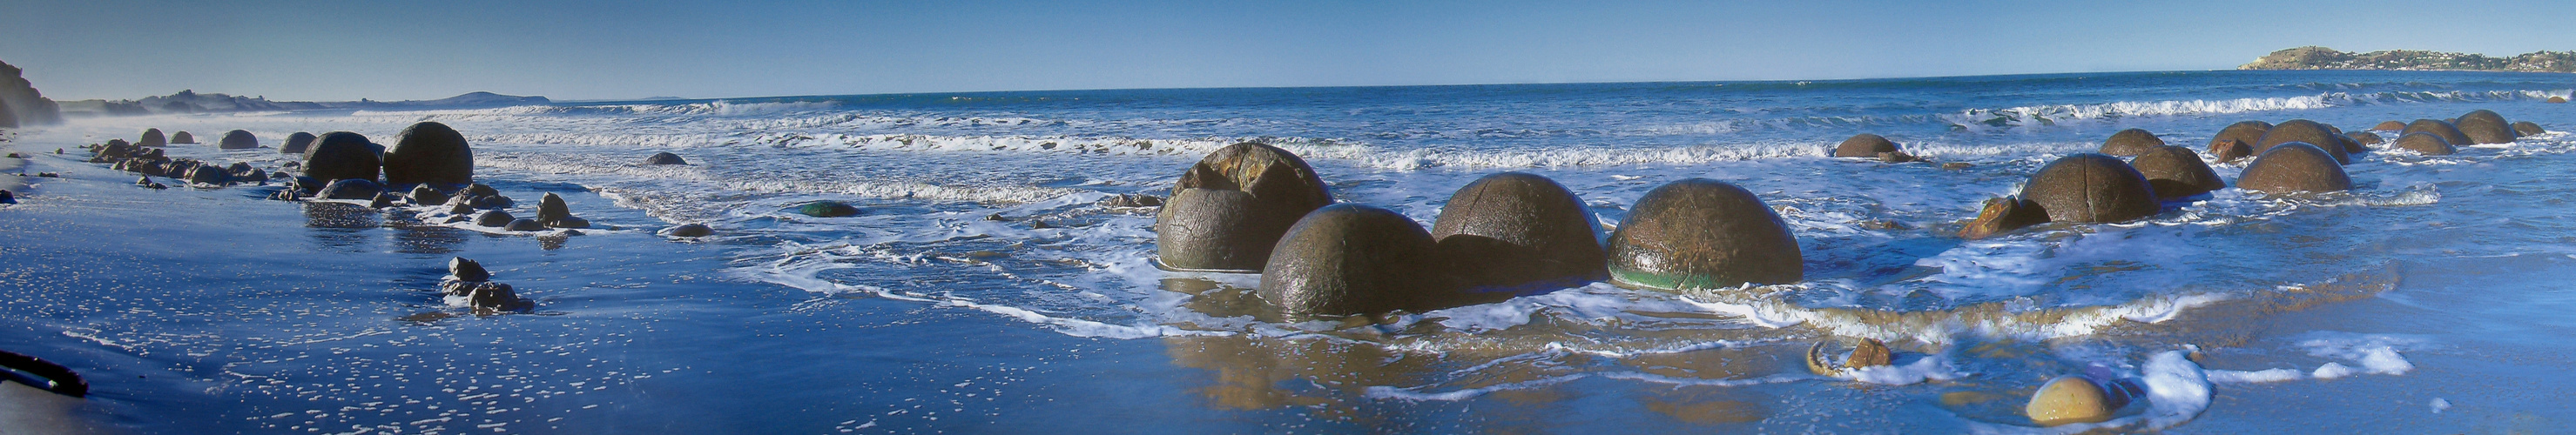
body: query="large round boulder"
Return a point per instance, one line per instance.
(1514, 233)
(341, 155)
(2426, 144)
(1702, 234)
(2527, 128)
(297, 143)
(183, 138)
(2450, 134)
(429, 152)
(152, 138)
(1352, 259)
(238, 140)
(2486, 127)
(2176, 172)
(2294, 167)
(1229, 209)
(2131, 142)
(2091, 188)
(2305, 131)
(1864, 145)
(664, 158)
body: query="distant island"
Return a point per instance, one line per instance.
(2314, 57)
(189, 101)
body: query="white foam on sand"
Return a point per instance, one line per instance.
(2367, 354)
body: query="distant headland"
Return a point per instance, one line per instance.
(2314, 57)
(192, 102)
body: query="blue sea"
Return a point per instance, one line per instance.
(983, 290)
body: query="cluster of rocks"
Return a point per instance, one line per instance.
(428, 165)
(466, 278)
(154, 162)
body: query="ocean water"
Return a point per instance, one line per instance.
(2430, 298)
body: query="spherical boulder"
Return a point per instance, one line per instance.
(2176, 172)
(493, 218)
(2091, 188)
(2245, 132)
(238, 140)
(2426, 144)
(690, 230)
(2527, 128)
(429, 152)
(297, 143)
(2294, 167)
(1702, 234)
(1514, 232)
(1351, 259)
(2003, 214)
(2389, 126)
(2364, 138)
(1864, 145)
(2450, 134)
(351, 188)
(2305, 131)
(2072, 399)
(183, 138)
(152, 138)
(664, 158)
(2485, 127)
(2131, 142)
(341, 155)
(1231, 208)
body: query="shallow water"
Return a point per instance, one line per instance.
(2424, 300)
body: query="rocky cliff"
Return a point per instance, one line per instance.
(21, 105)
(2313, 57)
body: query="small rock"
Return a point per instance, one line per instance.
(424, 195)
(524, 225)
(297, 143)
(1956, 165)
(569, 222)
(996, 217)
(552, 208)
(467, 270)
(2072, 399)
(493, 218)
(479, 189)
(2557, 99)
(493, 296)
(1897, 157)
(49, 175)
(461, 208)
(238, 139)
(1132, 200)
(664, 158)
(352, 188)
(690, 230)
(7, 198)
(826, 209)
(492, 202)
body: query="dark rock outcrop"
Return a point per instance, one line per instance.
(238, 140)
(1702, 234)
(2426, 144)
(351, 188)
(297, 143)
(2294, 167)
(2176, 172)
(2485, 127)
(2131, 142)
(429, 152)
(826, 209)
(1352, 259)
(341, 155)
(463, 269)
(21, 105)
(493, 218)
(2091, 188)
(664, 158)
(2450, 134)
(1514, 233)
(2305, 131)
(1864, 145)
(1231, 208)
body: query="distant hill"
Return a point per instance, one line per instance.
(21, 104)
(2314, 57)
(189, 101)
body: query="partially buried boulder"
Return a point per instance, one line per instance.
(2176, 172)
(2389, 126)
(2294, 167)
(2527, 128)
(238, 140)
(2557, 99)
(2131, 142)
(297, 143)
(524, 225)
(1352, 259)
(665, 158)
(690, 230)
(493, 218)
(424, 195)
(429, 152)
(1864, 145)
(2426, 144)
(1702, 234)
(2003, 214)
(1514, 233)
(2091, 188)
(2450, 134)
(352, 189)
(183, 138)
(341, 155)
(1231, 208)
(2364, 138)
(826, 209)
(2485, 127)
(2304, 131)
(152, 138)
(208, 174)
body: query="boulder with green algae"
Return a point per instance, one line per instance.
(1702, 234)
(826, 209)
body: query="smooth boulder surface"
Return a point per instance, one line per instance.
(1864, 145)
(664, 158)
(2450, 134)
(352, 189)
(2527, 128)
(429, 152)
(2557, 99)
(2426, 144)
(2305, 131)
(1702, 234)
(2091, 188)
(2245, 132)
(238, 140)
(2389, 126)
(493, 218)
(183, 138)
(2294, 167)
(152, 138)
(690, 230)
(2485, 127)
(2363, 138)
(2131, 142)
(826, 209)
(341, 155)
(1351, 259)
(297, 143)
(2071, 399)
(1516, 232)
(2175, 172)
(1231, 208)
(2003, 214)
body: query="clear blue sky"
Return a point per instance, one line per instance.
(340, 50)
